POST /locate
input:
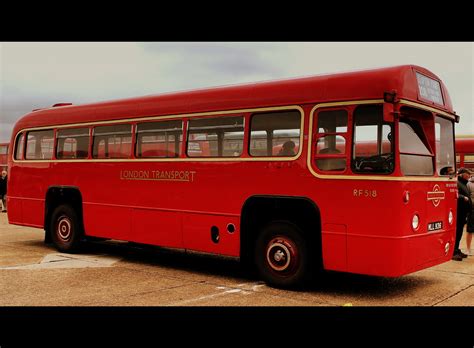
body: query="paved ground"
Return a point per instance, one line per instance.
(117, 274)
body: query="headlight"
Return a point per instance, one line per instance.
(415, 222)
(450, 217)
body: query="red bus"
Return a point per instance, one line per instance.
(465, 151)
(366, 189)
(3, 156)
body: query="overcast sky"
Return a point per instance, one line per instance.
(40, 74)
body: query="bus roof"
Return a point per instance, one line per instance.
(355, 85)
(465, 144)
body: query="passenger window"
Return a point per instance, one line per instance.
(159, 139)
(330, 152)
(112, 141)
(275, 134)
(215, 137)
(39, 145)
(73, 143)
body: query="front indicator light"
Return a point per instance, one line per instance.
(446, 248)
(406, 197)
(415, 222)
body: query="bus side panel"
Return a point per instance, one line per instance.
(35, 209)
(107, 221)
(334, 238)
(15, 215)
(15, 186)
(151, 226)
(200, 230)
(27, 196)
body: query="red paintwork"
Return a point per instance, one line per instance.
(465, 147)
(369, 84)
(360, 233)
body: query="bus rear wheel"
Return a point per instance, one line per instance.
(66, 232)
(281, 255)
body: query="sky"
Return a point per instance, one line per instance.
(40, 74)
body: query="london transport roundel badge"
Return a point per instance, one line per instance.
(436, 195)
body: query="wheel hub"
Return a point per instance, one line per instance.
(281, 255)
(64, 229)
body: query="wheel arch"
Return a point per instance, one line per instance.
(56, 196)
(259, 210)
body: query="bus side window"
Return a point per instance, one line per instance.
(112, 141)
(216, 137)
(73, 143)
(275, 134)
(330, 154)
(159, 139)
(39, 145)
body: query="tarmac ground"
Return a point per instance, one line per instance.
(115, 273)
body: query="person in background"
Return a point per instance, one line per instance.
(470, 219)
(3, 190)
(463, 209)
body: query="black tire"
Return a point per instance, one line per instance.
(281, 255)
(65, 229)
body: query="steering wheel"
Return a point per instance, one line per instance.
(382, 162)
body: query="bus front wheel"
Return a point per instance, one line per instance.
(281, 255)
(65, 229)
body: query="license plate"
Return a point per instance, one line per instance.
(433, 226)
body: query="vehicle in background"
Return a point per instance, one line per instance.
(3, 156)
(465, 151)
